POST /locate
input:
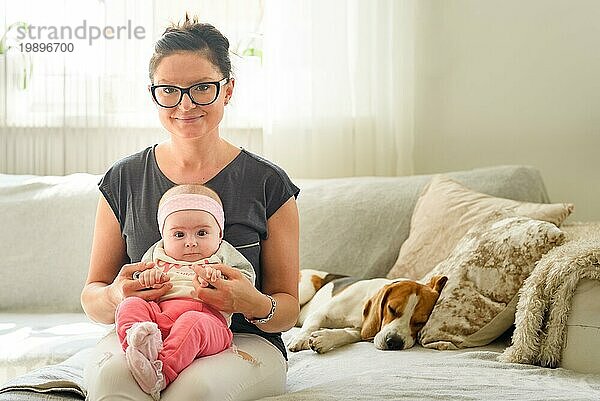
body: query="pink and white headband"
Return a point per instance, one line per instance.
(180, 202)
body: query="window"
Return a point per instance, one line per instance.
(101, 79)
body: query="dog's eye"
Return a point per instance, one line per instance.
(418, 325)
(391, 310)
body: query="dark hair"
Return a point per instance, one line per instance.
(192, 35)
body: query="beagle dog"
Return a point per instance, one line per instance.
(338, 310)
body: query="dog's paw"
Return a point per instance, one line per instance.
(321, 341)
(298, 343)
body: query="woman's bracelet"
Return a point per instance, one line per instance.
(269, 316)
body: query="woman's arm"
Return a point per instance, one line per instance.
(280, 270)
(109, 279)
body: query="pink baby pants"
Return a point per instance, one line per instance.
(189, 329)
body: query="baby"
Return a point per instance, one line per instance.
(162, 338)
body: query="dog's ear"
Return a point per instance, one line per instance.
(373, 314)
(438, 283)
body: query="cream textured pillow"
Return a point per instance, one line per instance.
(444, 213)
(485, 272)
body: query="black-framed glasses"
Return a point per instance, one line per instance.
(201, 93)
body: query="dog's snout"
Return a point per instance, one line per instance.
(394, 342)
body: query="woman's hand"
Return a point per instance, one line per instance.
(233, 293)
(147, 287)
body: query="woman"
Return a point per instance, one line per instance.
(191, 80)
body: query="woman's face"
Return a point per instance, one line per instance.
(188, 120)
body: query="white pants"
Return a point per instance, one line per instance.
(222, 377)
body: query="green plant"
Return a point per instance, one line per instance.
(250, 46)
(5, 47)
(251, 51)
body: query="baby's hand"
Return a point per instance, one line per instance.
(152, 278)
(207, 275)
(212, 274)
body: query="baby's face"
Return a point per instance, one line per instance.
(191, 235)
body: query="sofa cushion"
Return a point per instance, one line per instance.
(355, 226)
(47, 226)
(444, 213)
(485, 272)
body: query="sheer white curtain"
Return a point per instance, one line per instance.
(339, 86)
(82, 110)
(331, 96)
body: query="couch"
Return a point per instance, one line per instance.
(354, 226)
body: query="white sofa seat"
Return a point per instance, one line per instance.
(33, 340)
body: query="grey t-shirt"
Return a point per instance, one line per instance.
(250, 187)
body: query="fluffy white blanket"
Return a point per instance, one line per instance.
(545, 298)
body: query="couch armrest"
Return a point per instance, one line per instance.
(582, 350)
(46, 235)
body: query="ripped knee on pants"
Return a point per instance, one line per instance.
(246, 356)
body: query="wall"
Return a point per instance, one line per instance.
(503, 82)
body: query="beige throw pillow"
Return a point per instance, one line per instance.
(485, 272)
(444, 213)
